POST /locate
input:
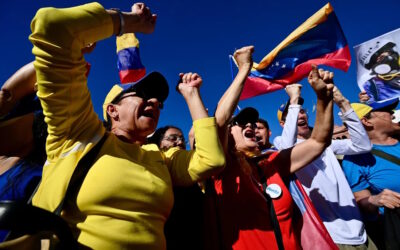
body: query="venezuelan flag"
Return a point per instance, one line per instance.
(129, 65)
(307, 221)
(319, 40)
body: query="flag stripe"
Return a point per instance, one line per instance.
(337, 59)
(319, 40)
(323, 39)
(129, 65)
(319, 17)
(129, 58)
(313, 231)
(127, 41)
(132, 75)
(257, 84)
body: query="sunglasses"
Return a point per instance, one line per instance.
(140, 94)
(247, 125)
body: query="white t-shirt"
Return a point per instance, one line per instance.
(325, 182)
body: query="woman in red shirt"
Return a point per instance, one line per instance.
(242, 212)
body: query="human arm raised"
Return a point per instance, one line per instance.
(359, 141)
(289, 132)
(189, 87)
(58, 36)
(340, 100)
(294, 93)
(139, 19)
(303, 153)
(228, 102)
(187, 167)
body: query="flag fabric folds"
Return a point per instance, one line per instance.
(313, 231)
(129, 65)
(319, 40)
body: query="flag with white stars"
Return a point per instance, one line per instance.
(319, 40)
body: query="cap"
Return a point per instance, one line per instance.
(388, 104)
(283, 109)
(153, 85)
(246, 115)
(363, 109)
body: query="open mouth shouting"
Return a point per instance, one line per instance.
(301, 123)
(149, 112)
(249, 134)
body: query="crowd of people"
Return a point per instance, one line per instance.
(230, 190)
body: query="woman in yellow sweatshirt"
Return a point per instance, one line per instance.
(127, 194)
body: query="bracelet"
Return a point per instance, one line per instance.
(121, 21)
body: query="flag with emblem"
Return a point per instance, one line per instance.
(319, 40)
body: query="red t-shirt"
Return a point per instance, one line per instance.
(242, 211)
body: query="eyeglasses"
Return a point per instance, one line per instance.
(247, 125)
(174, 138)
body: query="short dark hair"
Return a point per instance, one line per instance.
(264, 122)
(158, 135)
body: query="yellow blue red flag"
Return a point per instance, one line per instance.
(312, 230)
(319, 40)
(129, 65)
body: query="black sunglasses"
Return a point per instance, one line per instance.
(247, 125)
(140, 94)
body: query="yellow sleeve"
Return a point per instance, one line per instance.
(58, 35)
(206, 160)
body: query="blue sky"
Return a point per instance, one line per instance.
(198, 36)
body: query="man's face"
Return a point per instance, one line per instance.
(262, 134)
(382, 121)
(302, 123)
(172, 138)
(137, 114)
(245, 137)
